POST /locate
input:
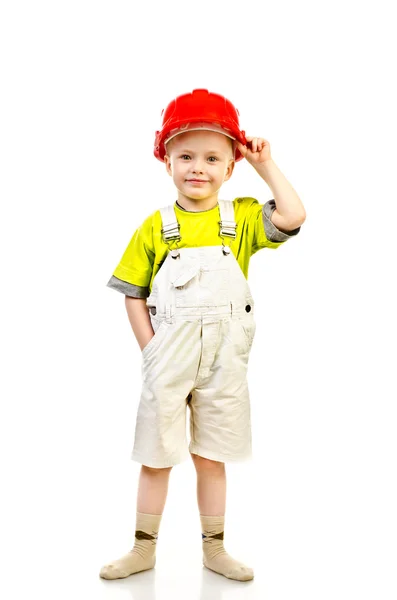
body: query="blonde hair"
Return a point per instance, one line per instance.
(232, 144)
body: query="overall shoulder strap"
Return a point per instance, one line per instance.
(170, 225)
(227, 222)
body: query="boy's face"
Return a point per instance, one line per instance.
(199, 162)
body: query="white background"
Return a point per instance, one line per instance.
(83, 85)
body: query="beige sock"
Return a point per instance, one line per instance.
(215, 556)
(143, 555)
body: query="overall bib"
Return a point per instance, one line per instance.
(202, 313)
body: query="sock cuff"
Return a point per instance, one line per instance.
(213, 523)
(147, 522)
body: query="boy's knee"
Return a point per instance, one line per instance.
(205, 464)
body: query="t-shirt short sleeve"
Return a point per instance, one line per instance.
(136, 264)
(272, 232)
(257, 227)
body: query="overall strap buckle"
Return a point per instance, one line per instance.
(170, 226)
(227, 223)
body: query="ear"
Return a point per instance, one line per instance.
(229, 169)
(167, 162)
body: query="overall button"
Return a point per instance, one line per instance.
(153, 310)
(248, 308)
(174, 253)
(226, 250)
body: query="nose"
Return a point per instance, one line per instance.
(197, 166)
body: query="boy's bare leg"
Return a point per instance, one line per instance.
(152, 494)
(211, 499)
(152, 490)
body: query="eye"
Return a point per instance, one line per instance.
(212, 159)
(185, 156)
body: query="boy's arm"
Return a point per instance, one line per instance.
(138, 315)
(289, 212)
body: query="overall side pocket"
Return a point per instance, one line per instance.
(249, 327)
(158, 328)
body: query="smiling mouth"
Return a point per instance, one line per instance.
(196, 180)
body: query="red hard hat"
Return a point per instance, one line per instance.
(200, 110)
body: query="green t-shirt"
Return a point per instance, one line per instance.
(146, 250)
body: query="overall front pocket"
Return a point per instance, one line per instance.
(205, 288)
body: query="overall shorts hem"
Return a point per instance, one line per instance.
(217, 456)
(158, 464)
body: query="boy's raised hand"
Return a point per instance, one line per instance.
(257, 150)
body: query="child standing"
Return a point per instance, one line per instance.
(184, 277)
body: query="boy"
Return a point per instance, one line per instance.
(184, 276)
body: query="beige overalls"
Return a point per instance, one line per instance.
(202, 313)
